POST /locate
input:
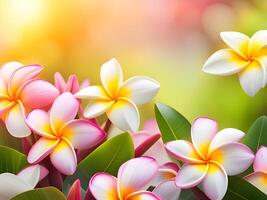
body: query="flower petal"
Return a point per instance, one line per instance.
(167, 190)
(63, 157)
(183, 150)
(15, 122)
(97, 108)
(259, 180)
(42, 148)
(75, 191)
(224, 62)
(166, 172)
(234, 157)
(60, 82)
(104, 186)
(130, 179)
(59, 114)
(111, 76)
(237, 41)
(139, 89)
(260, 162)
(72, 84)
(252, 78)
(11, 185)
(191, 175)
(257, 42)
(142, 195)
(225, 136)
(5, 105)
(215, 182)
(8, 69)
(93, 92)
(38, 94)
(82, 134)
(151, 126)
(202, 132)
(3, 89)
(124, 114)
(38, 121)
(21, 76)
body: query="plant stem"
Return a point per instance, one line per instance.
(107, 126)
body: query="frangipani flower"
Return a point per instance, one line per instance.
(75, 191)
(259, 177)
(20, 92)
(210, 158)
(165, 180)
(60, 133)
(245, 56)
(117, 98)
(130, 181)
(12, 185)
(72, 84)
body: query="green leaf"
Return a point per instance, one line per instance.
(108, 157)
(257, 134)
(48, 193)
(240, 189)
(11, 160)
(172, 124)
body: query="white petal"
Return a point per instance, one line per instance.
(97, 108)
(224, 62)
(167, 190)
(11, 185)
(124, 115)
(258, 179)
(257, 42)
(111, 76)
(215, 183)
(30, 174)
(8, 69)
(92, 92)
(237, 41)
(139, 89)
(260, 162)
(225, 136)
(252, 78)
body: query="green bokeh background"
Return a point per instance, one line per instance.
(168, 40)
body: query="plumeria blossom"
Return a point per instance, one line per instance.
(245, 56)
(12, 185)
(72, 85)
(130, 182)
(259, 177)
(60, 133)
(20, 92)
(210, 157)
(165, 182)
(117, 98)
(75, 191)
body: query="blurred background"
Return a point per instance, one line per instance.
(168, 40)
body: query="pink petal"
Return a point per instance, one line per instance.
(183, 150)
(84, 84)
(60, 114)
(225, 136)
(151, 126)
(72, 84)
(234, 157)
(42, 148)
(21, 76)
(60, 82)
(38, 121)
(38, 94)
(202, 132)
(142, 195)
(8, 69)
(191, 175)
(82, 134)
(15, 121)
(171, 165)
(131, 179)
(142, 142)
(167, 190)
(215, 183)
(259, 180)
(63, 157)
(260, 162)
(103, 186)
(75, 191)
(166, 172)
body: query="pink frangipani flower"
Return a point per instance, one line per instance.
(133, 176)
(75, 191)
(60, 133)
(20, 92)
(210, 158)
(259, 177)
(12, 185)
